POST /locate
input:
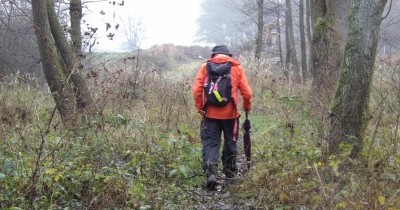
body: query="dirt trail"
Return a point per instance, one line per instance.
(223, 198)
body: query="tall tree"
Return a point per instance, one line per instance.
(291, 58)
(237, 23)
(220, 22)
(60, 64)
(330, 21)
(71, 62)
(260, 29)
(133, 32)
(320, 41)
(18, 48)
(272, 27)
(303, 41)
(308, 20)
(56, 79)
(349, 110)
(75, 13)
(278, 28)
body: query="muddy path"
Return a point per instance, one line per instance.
(224, 197)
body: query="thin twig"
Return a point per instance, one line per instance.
(50, 120)
(319, 177)
(37, 167)
(390, 8)
(40, 152)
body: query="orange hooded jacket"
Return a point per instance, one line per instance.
(239, 83)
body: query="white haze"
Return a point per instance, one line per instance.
(163, 21)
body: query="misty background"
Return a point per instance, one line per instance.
(129, 26)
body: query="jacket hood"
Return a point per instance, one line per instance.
(221, 58)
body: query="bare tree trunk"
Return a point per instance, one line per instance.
(303, 41)
(278, 20)
(291, 58)
(260, 29)
(72, 65)
(75, 13)
(308, 21)
(319, 42)
(56, 79)
(349, 110)
(330, 28)
(309, 35)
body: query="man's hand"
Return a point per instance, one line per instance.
(201, 114)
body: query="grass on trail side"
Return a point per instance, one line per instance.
(143, 150)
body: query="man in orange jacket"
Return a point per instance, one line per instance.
(220, 119)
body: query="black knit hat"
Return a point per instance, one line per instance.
(220, 49)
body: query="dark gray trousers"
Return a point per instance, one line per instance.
(211, 130)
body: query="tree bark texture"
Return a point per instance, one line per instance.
(278, 24)
(330, 22)
(349, 115)
(55, 77)
(75, 13)
(260, 29)
(291, 58)
(72, 65)
(308, 20)
(303, 41)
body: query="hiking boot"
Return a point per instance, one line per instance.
(211, 182)
(210, 174)
(229, 173)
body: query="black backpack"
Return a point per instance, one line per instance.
(218, 85)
